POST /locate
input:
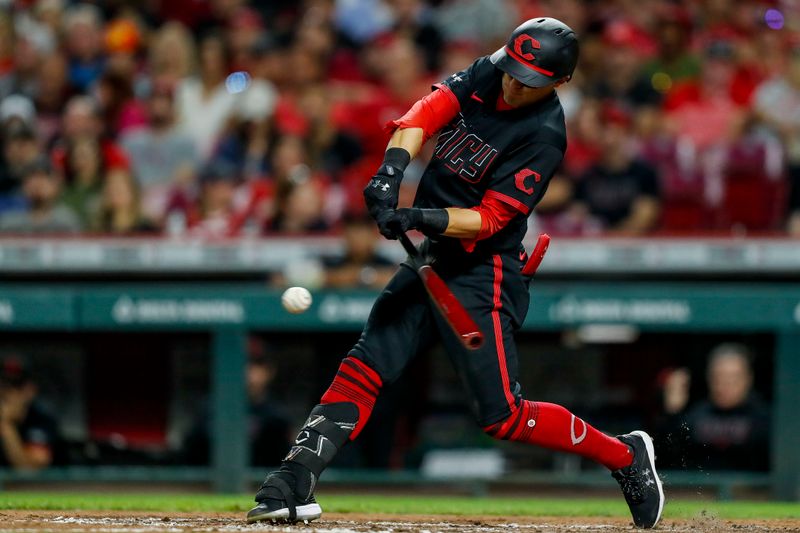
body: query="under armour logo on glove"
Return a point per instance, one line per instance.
(378, 184)
(382, 191)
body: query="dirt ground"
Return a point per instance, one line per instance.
(137, 522)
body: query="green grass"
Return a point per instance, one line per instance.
(393, 505)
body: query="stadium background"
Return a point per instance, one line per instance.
(169, 167)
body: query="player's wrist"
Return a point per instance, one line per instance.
(398, 159)
(433, 221)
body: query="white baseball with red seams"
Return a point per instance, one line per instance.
(296, 299)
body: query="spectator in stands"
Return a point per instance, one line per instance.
(29, 435)
(299, 192)
(225, 207)
(777, 105)
(627, 88)
(49, 13)
(247, 147)
(53, 91)
(330, 148)
(171, 53)
(215, 208)
(43, 214)
(120, 111)
(82, 120)
(33, 42)
(244, 29)
(246, 144)
(685, 191)
(206, 92)
(84, 44)
(403, 72)
(751, 178)
(268, 61)
(299, 208)
(620, 190)
(17, 108)
(19, 150)
(360, 264)
(84, 175)
(343, 67)
(162, 156)
(414, 20)
(675, 62)
(704, 110)
(269, 428)
(122, 40)
(119, 212)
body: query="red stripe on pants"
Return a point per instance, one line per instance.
(498, 329)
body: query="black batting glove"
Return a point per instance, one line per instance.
(382, 191)
(383, 218)
(428, 221)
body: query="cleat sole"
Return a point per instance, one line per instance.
(305, 513)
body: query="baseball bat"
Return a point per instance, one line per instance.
(537, 255)
(445, 301)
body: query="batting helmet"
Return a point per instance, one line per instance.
(539, 52)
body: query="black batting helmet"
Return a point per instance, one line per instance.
(539, 52)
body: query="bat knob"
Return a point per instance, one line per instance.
(473, 341)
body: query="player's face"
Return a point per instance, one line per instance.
(517, 94)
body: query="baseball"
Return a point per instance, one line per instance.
(296, 299)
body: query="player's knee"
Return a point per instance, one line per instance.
(519, 423)
(503, 429)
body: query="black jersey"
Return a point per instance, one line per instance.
(510, 155)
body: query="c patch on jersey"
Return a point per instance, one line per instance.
(519, 180)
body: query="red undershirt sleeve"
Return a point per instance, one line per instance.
(495, 215)
(430, 113)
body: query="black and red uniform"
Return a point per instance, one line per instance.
(497, 160)
(483, 153)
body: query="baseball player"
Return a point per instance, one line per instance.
(501, 137)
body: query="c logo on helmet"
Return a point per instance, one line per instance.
(521, 40)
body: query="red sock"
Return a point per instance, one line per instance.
(356, 383)
(551, 426)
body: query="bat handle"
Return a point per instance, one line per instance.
(408, 245)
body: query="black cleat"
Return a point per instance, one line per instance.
(639, 482)
(278, 502)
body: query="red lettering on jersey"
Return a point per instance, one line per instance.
(519, 179)
(521, 40)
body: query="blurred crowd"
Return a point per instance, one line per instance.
(221, 118)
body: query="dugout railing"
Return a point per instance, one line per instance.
(229, 311)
